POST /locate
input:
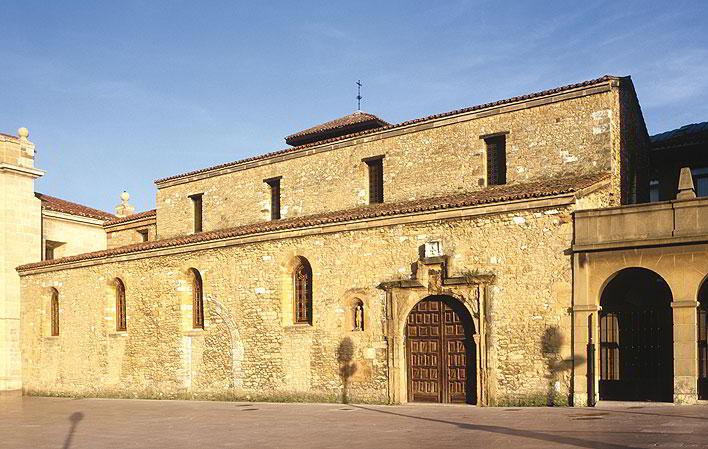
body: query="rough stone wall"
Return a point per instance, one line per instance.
(572, 136)
(77, 235)
(634, 147)
(130, 235)
(249, 344)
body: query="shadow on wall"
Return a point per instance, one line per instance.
(551, 344)
(74, 419)
(347, 367)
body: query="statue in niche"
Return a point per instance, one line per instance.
(359, 317)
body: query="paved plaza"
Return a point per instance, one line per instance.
(32, 422)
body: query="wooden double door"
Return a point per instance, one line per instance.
(440, 352)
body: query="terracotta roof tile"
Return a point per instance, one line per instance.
(488, 195)
(687, 134)
(600, 80)
(358, 121)
(67, 207)
(129, 218)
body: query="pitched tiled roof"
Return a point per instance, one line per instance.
(600, 80)
(67, 207)
(129, 218)
(358, 121)
(492, 194)
(693, 133)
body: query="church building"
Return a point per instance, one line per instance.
(501, 254)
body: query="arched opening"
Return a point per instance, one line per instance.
(703, 341)
(197, 299)
(121, 312)
(636, 338)
(440, 352)
(302, 290)
(54, 313)
(358, 315)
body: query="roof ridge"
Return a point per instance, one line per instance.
(132, 217)
(269, 155)
(56, 204)
(491, 194)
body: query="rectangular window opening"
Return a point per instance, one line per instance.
(274, 184)
(198, 211)
(376, 179)
(50, 249)
(144, 235)
(496, 159)
(653, 191)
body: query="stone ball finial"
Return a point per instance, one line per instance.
(23, 132)
(125, 196)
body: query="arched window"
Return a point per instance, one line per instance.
(54, 313)
(197, 300)
(302, 287)
(121, 313)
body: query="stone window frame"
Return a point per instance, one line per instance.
(375, 173)
(302, 292)
(186, 300)
(275, 192)
(112, 314)
(120, 305)
(197, 212)
(54, 323)
(197, 284)
(487, 138)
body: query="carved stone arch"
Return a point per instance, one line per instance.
(219, 315)
(188, 275)
(52, 312)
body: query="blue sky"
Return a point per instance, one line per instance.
(117, 94)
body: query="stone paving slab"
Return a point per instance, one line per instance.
(33, 422)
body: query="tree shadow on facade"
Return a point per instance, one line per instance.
(347, 367)
(74, 419)
(551, 344)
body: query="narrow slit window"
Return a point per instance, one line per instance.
(376, 180)
(198, 211)
(274, 184)
(121, 312)
(197, 300)
(54, 313)
(496, 160)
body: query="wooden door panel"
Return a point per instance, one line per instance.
(437, 353)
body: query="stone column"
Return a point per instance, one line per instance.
(685, 351)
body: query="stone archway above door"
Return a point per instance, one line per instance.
(430, 278)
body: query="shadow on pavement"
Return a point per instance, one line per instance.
(74, 418)
(579, 442)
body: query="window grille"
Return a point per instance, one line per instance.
(121, 313)
(496, 160)
(55, 313)
(376, 180)
(302, 280)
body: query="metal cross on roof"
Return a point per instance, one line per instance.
(358, 95)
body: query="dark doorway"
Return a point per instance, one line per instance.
(636, 338)
(440, 352)
(703, 342)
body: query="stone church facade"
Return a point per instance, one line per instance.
(434, 260)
